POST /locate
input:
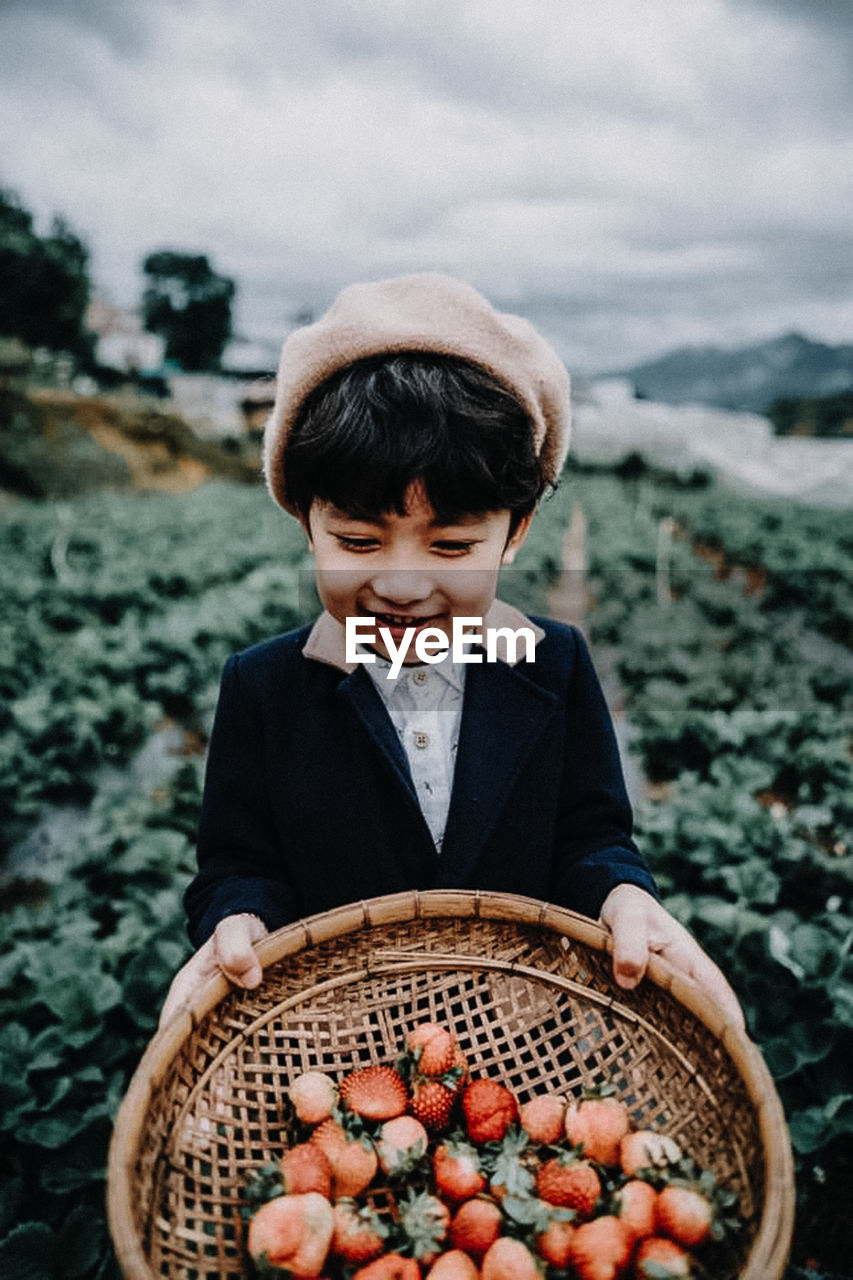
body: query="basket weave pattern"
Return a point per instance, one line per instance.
(532, 1004)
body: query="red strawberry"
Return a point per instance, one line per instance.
(645, 1149)
(327, 1135)
(293, 1233)
(490, 1108)
(509, 1259)
(684, 1215)
(358, 1233)
(401, 1145)
(376, 1093)
(453, 1265)
(314, 1096)
(542, 1118)
(425, 1221)
(353, 1160)
(391, 1266)
(659, 1259)
(476, 1227)
(636, 1202)
(353, 1168)
(305, 1167)
(431, 1048)
(458, 1175)
(431, 1103)
(600, 1249)
(570, 1183)
(598, 1123)
(555, 1242)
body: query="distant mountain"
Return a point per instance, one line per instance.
(749, 378)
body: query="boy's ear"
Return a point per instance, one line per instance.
(517, 538)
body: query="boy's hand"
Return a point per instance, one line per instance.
(640, 925)
(229, 951)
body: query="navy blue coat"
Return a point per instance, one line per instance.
(309, 804)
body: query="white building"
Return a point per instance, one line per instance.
(122, 341)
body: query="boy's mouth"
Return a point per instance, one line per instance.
(403, 619)
(396, 624)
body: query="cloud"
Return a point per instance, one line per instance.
(122, 27)
(831, 17)
(622, 173)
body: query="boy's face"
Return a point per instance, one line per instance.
(409, 571)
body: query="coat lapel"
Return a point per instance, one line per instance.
(503, 717)
(358, 691)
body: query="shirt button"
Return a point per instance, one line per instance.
(421, 739)
(420, 677)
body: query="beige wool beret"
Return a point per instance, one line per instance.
(421, 313)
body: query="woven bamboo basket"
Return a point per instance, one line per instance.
(528, 990)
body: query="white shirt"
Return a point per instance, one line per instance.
(425, 706)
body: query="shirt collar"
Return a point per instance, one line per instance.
(327, 639)
(451, 673)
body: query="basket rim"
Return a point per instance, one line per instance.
(772, 1242)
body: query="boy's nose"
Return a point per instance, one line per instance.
(402, 586)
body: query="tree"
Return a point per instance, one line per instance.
(44, 281)
(823, 416)
(189, 305)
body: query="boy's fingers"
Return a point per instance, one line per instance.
(187, 979)
(629, 968)
(638, 924)
(710, 978)
(683, 952)
(229, 950)
(234, 950)
(630, 957)
(629, 929)
(179, 993)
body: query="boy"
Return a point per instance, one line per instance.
(414, 431)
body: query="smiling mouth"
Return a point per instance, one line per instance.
(403, 619)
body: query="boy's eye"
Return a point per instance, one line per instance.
(352, 543)
(452, 546)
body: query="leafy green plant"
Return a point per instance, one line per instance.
(736, 683)
(118, 614)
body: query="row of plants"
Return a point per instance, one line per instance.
(800, 555)
(119, 611)
(742, 717)
(134, 602)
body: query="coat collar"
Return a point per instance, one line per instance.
(327, 639)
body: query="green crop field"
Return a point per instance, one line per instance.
(729, 625)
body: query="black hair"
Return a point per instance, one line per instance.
(366, 434)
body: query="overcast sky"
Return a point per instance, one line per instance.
(631, 174)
